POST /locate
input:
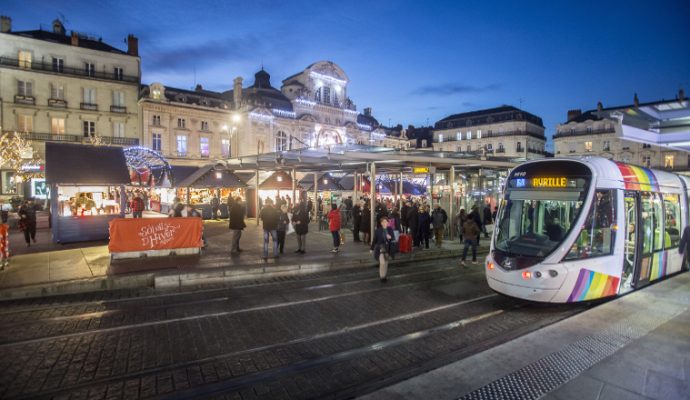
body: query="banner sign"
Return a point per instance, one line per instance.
(141, 234)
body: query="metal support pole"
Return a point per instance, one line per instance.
(451, 214)
(294, 186)
(372, 200)
(316, 192)
(356, 180)
(256, 196)
(400, 203)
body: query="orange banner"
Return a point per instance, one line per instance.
(140, 234)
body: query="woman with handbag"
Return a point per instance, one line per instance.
(380, 246)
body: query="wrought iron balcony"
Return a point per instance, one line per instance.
(88, 106)
(51, 137)
(21, 99)
(57, 103)
(582, 132)
(64, 70)
(118, 109)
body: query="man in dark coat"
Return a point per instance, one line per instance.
(413, 223)
(300, 219)
(356, 221)
(236, 222)
(474, 215)
(365, 224)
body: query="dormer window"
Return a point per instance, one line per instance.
(326, 95)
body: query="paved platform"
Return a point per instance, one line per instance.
(46, 268)
(634, 347)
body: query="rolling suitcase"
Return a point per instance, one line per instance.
(405, 243)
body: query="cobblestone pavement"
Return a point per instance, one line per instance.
(328, 335)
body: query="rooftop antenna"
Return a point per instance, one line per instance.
(194, 68)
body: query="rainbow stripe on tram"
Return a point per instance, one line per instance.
(638, 178)
(659, 261)
(593, 285)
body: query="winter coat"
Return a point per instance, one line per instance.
(300, 219)
(487, 216)
(380, 241)
(334, 220)
(470, 230)
(439, 218)
(236, 217)
(283, 221)
(424, 221)
(356, 215)
(413, 218)
(269, 217)
(365, 224)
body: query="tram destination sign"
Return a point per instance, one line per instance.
(545, 182)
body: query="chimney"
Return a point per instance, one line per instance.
(367, 111)
(600, 107)
(199, 88)
(572, 114)
(5, 24)
(132, 45)
(75, 39)
(681, 94)
(636, 101)
(237, 92)
(58, 27)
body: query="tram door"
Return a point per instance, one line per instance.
(630, 262)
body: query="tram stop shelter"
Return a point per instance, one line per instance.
(465, 173)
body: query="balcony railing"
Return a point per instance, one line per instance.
(80, 72)
(50, 137)
(88, 106)
(500, 150)
(21, 99)
(118, 109)
(583, 132)
(57, 103)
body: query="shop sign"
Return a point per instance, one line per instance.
(423, 170)
(32, 168)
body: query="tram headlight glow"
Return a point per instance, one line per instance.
(526, 275)
(490, 265)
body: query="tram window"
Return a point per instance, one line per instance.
(653, 238)
(598, 234)
(672, 220)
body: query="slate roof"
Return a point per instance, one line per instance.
(206, 98)
(84, 41)
(488, 116)
(79, 164)
(262, 94)
(585, 116)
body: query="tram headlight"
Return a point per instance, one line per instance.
(537, 274)
(526, 275)
(490, 265)
(553, 273)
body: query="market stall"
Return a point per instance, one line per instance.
(87, 190)
(162, 197)
(200, 187)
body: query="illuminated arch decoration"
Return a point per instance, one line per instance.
(148, 167)
(328, 137)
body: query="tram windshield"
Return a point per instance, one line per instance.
(539, 210)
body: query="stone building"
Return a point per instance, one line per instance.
(311, 109)
(504, 131)
(594, 132)
(67, 87)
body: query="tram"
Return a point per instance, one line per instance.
(571, 230)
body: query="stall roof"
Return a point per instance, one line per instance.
(181, 172)
(279, 180)
(206, 177)
(326, 182)
(78, 164)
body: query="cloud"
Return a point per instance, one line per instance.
(449, 89)
(180, 58)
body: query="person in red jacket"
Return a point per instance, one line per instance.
(137, 206)
(334, 226)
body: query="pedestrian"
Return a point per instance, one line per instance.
(235, 222)
(334, 225)
(460, 219)
(300, 219)
(438, 220)
(356, 221)
(27, 221)
(178, 209)
(493, 214)
(474, 215)
(137, 206)
(215, 206)
(403, 216)
(381, 247)
(424, 227)
(270, 218)
(394, 223)
(283, 222)
(486, 220)
(413, 223)
(365, 224)
(470, 233)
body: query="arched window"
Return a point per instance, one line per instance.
(281, 141)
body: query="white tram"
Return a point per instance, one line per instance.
(571, 230)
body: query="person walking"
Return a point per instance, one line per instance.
(474, 215)
(487, 220)
(215, 206)
(334, 224)
(283, 222)
(235, 222)
(413, 223)
(403, 216)
(178, 209)
(137, 206)
(460, 219)
(300, 219)
(365, 224)
(424, 227)
(438, 220)
(356, 221)
(394, 223)
(270, 219)
(381, 246)
(27, 221)
(470, 234)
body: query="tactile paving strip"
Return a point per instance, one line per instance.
(546, 374)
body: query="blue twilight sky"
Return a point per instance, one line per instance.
(408, 60)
